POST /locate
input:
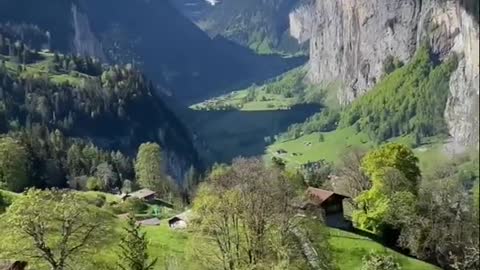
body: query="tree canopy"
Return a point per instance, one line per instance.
(149, 168)
(394, 175)
(14, 164)
(57, 228)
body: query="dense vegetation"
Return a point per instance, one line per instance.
(412, 99)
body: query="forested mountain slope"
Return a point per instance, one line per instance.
(58, 98)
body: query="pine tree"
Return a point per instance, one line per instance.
(133, 245)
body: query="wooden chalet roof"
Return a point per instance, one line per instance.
(319, 196)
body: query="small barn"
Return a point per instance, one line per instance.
(181, 221)
(331, 204)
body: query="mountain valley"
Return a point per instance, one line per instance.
(239, 134)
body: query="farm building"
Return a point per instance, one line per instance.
(180, 221)
(331, 204)
(142, 194)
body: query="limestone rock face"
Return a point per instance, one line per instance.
(302, 21)
(462, 107)
(84, 41)
(351, 39)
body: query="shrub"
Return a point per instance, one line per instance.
(94, 184)
(379, 261)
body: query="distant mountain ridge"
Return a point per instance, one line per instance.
(154, 36)
(261, 25)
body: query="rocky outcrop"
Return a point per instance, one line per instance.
(350, 41)
(302, 21)
(84, 41)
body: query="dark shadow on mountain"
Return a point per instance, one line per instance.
(175, 52)
(224, 135)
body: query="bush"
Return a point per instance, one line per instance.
(94, 184)
(100, 200)
(134, 205)
(379, 261)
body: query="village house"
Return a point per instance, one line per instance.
(331, 205)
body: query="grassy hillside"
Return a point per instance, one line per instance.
(316, 146)
(349, 248)
(329, 146)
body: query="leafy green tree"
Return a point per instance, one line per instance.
(149, 168)
(13, 165)
(106, 174)
(55, 228)
(94, 184)
(134, 248)
(392, 169)
(392, 155)
(251, 223)
(444, 227)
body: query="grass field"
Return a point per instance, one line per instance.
(44, 67)
(312, 148)
(349, 248)
(280, 93)
(236, 101)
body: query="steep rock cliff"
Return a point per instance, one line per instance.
(351, 40)
(84, 40)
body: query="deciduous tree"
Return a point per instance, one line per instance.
(391, 169)
(247, 211)
(55, 228)
(149, 168)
